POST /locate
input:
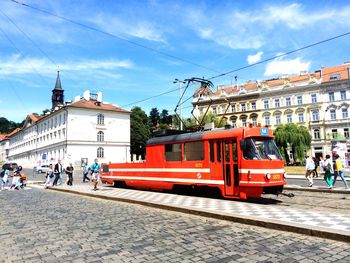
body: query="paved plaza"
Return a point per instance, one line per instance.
(48, 226)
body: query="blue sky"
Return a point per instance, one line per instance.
(155, 42)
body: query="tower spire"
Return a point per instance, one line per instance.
(57, 93)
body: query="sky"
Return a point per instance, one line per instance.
(133, 50)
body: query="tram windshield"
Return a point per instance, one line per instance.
(260, 149)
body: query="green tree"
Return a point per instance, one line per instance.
(7, 126)
(154, 117)
(295, 137)
(140, 130)
(165, 118)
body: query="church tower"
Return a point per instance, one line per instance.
(57, 94)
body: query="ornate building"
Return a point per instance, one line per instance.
(319, 100)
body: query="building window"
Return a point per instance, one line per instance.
(255, 121)
(244, 122)
(331, 96)
(343, 95)
(289, 118)
(100, 119)
(300, 100)
(233, 108)
(266, 104)
(278, 119)
(194, 151)
(288, 102)
(334, 133)
(253, 105)
(344, 113)
(346, 133)
(267, 120)
(243, 108)
(313, 98)
(173, 152)
(333, 115)
(214, 110)
(317, 134)
(334, 76)
(277, 103)
(100, 136)
(315, 115)
(301, 117)
(64, 118)
(100, 152)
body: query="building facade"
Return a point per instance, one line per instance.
(74, 132)
(319, 100)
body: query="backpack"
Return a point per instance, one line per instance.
(327, 168)
(2, 173)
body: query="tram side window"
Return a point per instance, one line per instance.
(234, 151)
(218, 149)
(212, 152)
(173, 152)
(194, 151)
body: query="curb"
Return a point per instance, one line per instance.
(248, 220)
(319, 190)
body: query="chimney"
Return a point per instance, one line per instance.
(99, 97)
(86, 95)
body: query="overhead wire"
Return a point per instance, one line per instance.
(115, 36)
(35, 44)
(178, 58)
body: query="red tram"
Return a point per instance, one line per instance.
(240, 162)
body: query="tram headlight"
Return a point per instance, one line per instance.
(268, 176)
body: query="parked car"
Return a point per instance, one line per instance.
(10, 166)
(42, 168)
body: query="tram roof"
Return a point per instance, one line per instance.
(193, 136)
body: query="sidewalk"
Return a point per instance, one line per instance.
(320, 224)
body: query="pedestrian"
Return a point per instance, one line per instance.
(328, 171)
(49, 176)
(85, 173)
(69, 172)
(16, 178)
(339, 171)
(95, 175)
(309, 167)
(58, 170)
(5, 177)
(317, 163)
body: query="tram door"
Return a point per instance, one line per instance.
(230, 166)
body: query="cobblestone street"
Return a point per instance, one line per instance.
(48, 226)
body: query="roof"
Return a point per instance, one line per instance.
(2, 136)
(13, 132)
(335, 73)
(58, 82)
(34, 117)
(93, 104)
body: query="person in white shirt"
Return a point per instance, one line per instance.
(309, 167)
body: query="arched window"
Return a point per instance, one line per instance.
(100, 119)
(100, 152)
(100, 136)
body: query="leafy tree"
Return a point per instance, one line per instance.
(165, 118)
(154, 117)
(7, 126)
(140, 131)
(295, 137)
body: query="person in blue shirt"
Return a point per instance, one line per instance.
(95, 173)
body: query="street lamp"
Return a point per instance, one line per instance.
(180, 88)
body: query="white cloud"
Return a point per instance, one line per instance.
(130, 27)
(239, 29)
(19, 65)
(291, 66)
(254, 58)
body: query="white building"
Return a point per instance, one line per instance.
(75, 132)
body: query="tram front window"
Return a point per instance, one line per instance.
(260, 149)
